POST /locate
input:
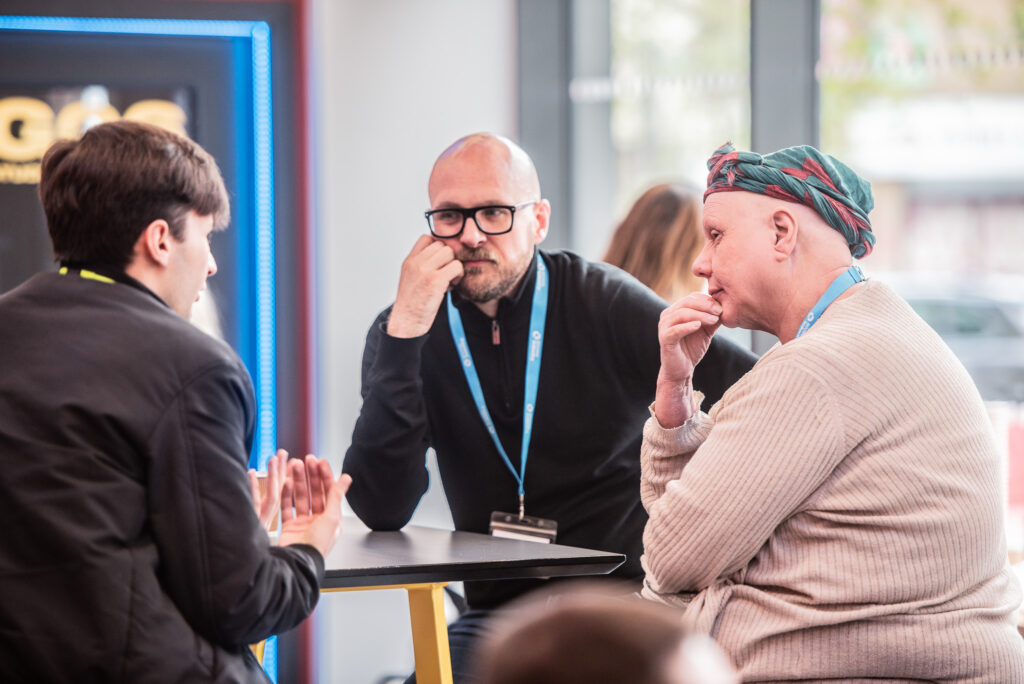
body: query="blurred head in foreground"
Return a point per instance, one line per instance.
(588, 636)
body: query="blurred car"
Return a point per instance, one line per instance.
(981, 318)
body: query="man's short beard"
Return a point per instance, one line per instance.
(485, 292)
(508, 277)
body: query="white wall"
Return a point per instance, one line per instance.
(394, 82)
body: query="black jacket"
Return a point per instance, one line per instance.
(131, 552)
(598, 372)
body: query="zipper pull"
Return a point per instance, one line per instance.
(495, 332)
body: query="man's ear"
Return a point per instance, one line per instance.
(154, 243)
(786, 229)
(542, 214)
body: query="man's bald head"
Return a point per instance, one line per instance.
(486, 171)
(500, 153)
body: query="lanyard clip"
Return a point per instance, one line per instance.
(522, 506)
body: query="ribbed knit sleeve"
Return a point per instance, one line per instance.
(665, 451)
(755, 467)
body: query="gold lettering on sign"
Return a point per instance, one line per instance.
(78, 116)
(35, 132)
(21, 174)
(28, 126)
(159, 113)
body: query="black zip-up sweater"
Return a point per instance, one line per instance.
(597, 377)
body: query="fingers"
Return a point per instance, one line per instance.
(312, 497)
(422, 242)
(284, 479)
(317, 482)
(696, 306)
(326, 477)
(335, 494)
(427, 273)
(426, 261)
(254, 487)
(343, 483)
(287, 505)
(436, 266)
(694, 313)
(325, 471)
(300, 486)
(427, 255)
(271, 495)
(711, 328)
(274, 477)
(311, 479)
(453, 272)
(674, 333)
(280, 458)
(698, 300)
(437, 255)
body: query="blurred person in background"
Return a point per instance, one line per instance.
(659, 239)
(837, 515)
(206, 315)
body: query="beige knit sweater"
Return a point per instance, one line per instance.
(838, 514)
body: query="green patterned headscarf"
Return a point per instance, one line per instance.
(803, 175)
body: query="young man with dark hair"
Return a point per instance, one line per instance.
(131, 548)
(168, 176)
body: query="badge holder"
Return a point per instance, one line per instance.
(527, 527)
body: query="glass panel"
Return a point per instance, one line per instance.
(676, 86)
(681, 88)
(926, 99)
(651, 100)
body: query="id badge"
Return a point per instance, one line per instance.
(528, 528)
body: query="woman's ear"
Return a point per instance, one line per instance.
(786, 229)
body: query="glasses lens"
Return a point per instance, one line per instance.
(494, 219)
(446, 223)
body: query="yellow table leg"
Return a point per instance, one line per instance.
(430, 634)
(257, 650)
(429, 629)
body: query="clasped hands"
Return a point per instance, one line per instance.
(311, 513)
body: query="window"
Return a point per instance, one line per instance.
(926, 99)
(673, 86)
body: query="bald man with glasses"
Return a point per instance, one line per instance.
(528, 372)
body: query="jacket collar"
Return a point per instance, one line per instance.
(113, 273)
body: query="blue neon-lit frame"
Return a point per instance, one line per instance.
(258, 33)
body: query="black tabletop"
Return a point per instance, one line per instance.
(415, 555)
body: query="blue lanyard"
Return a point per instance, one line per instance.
(844, 282)
(535, 345)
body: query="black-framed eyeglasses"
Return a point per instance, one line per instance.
(492, 219)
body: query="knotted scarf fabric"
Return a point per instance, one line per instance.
(804, 175)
